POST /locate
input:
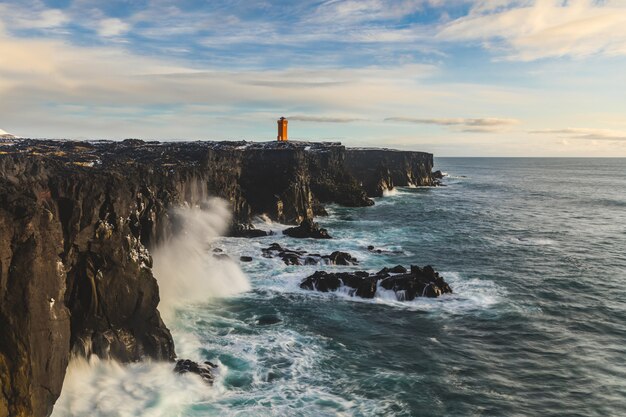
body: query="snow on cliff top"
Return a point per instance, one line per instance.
(6, 135)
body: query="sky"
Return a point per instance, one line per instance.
(452, 77)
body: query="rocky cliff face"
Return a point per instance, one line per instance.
(378, 170)
(77, 220)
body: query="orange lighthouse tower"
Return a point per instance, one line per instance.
(282, 130)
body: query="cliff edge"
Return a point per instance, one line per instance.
(78, 220)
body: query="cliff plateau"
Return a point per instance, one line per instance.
(78, 220)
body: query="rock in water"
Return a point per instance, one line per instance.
(419, 282)
(246, 231)
(77, 221)
(307, 229)
(300, 257)
(341, 258)
(184, 366)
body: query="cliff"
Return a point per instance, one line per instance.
(383, 169)
(77, 221)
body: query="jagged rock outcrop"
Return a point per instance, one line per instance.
(204, 370)
(378, 170)
(418, 282)
(77, 220)
(302, 257)
(307, 229)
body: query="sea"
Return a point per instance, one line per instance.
(534, 250)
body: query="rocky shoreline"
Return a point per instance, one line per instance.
(78, 220)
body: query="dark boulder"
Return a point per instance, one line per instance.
(307, 229)
(341, 258)
(268, 319)
(245, 258)
(398, 269)
(245, 231)
(373, 249)
(205, 370)
(419, 282)
(300, 257)
(321, 281)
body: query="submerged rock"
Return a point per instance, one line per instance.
(341, 258)
(247, 232)
(205, 370)
(300, 257)
(418, 282)
(373, 249)
(268, 319)
(307, 229)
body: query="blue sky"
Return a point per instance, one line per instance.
(455, 77)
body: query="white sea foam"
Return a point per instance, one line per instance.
(269, 370)
(95, 388)
(532, 241)
(389, 193)
(471, 295)
(184, 265)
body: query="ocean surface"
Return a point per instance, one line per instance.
(534, 249)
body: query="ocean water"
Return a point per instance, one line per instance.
(534, 249)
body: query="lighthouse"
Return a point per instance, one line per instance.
(282, 130)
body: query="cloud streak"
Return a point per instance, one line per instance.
(584, 134)
(325, 119)
(468, 125)
(539, 29)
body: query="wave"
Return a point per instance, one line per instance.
(269, 370)
(390, 192)
(99, 388)
(184, 265)
(532, 241)
(471, 296)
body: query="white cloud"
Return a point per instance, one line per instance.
(33, 18)
(468, 125)
(530, 30)
(112, 27)
(584, 133)
(50, 19)
(325, 119)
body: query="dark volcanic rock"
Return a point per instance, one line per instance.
(398, 269)
(378, 250)
(341, 258)
(407, 286)
(300, 257)
(307, 229)
(77, 220)
(240, 230)
(378, 170)
(204, 370)
(268, 320)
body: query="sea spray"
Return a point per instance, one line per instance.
(388, 192)
(184, 265)
(98, 388)
(187, 272)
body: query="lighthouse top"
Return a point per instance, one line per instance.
(282, 130)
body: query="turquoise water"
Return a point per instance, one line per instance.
(534, 250)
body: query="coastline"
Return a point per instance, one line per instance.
(83, 216)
